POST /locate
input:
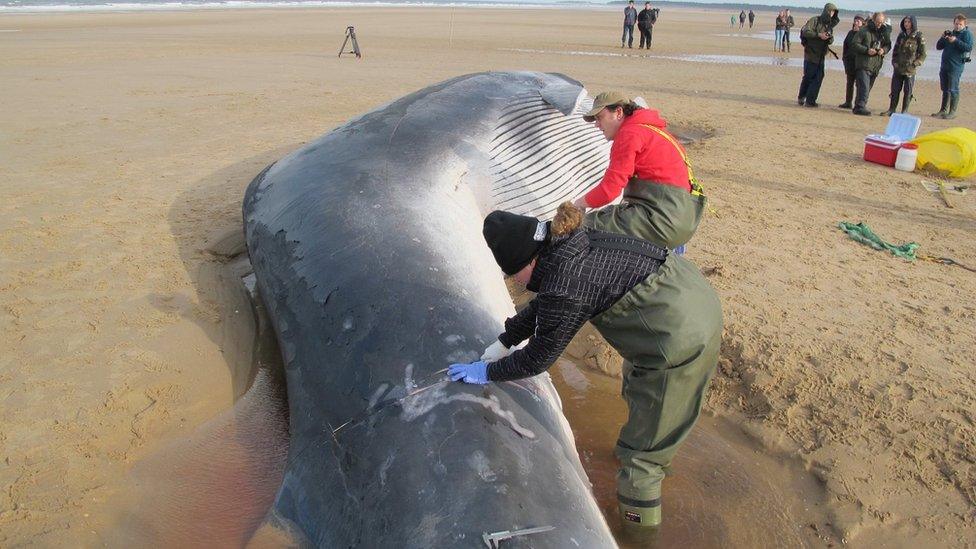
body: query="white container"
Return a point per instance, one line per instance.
(907, 156)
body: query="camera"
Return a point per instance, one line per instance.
(947, 34)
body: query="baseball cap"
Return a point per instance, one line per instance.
(604, 100)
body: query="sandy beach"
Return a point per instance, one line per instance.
(128, 139)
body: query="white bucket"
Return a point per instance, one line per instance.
(907, 156)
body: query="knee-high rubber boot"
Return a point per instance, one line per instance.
(905, 101)
(642, 513)
(892, 105)
(953, 105)
(945, 105)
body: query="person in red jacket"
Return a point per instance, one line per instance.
(662, 202)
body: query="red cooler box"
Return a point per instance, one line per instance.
(880, 150)
(883, 149)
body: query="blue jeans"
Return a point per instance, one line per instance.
(628, 31)
(949, 80)
(779, 39)
(813, 74)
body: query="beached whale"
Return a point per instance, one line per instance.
(367, 249)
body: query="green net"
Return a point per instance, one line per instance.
(860, 232)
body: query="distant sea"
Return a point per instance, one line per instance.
(35, 6)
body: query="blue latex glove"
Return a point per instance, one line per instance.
(476, 373)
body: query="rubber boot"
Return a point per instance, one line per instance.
(904, 103)
(953, 105)
(892, 105)
(642, 513)
(945, 104)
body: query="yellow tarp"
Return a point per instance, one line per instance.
(951, 152)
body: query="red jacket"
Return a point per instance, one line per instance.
(642, 152)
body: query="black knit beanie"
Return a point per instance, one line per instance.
(514, 239)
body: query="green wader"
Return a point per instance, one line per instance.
(668, 329)
(661, 214)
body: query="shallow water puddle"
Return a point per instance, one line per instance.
(723, 492)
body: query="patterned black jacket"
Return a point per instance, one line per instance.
(576, 277)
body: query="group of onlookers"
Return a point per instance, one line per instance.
(645, 20)
(865, 47)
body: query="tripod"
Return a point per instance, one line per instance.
(350, 35)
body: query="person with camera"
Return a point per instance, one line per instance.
(645, 25)
(870, 46)
(956, 45)
(848, 57)
(816, 36)
(906, 57)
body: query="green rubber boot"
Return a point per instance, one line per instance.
(642, 512)
(953, 105)
(945, 105)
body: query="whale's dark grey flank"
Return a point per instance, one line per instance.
(367, 249)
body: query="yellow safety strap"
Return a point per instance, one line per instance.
(696, 188)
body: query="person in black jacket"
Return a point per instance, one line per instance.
(653, 307)
(645, 24)
(848, 57)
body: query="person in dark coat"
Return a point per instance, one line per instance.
(742, 19)
(907, 56)
(870, 46)
(956, 45)
(645, 25)
(752, 18)
(655, 308)
(630, 19)
(816, 36)
(848, 57)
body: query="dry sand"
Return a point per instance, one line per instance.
(127, 140)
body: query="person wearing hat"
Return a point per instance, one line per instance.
(655, 308)
(662, 201)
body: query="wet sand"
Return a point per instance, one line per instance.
(128, 138)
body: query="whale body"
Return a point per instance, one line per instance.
(367, 250)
